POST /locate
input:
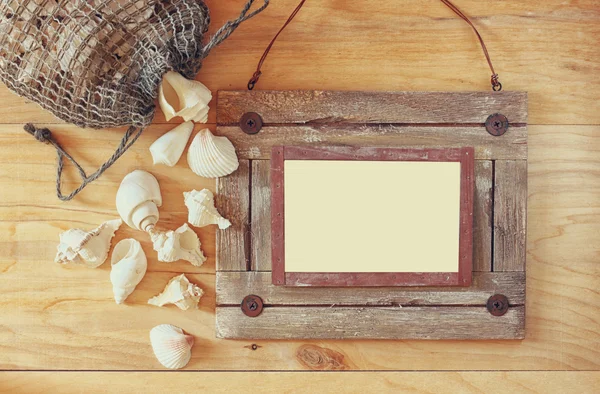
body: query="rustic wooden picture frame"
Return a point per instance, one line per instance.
(464, 156)
(492, 307)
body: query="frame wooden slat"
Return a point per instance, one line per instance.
(233, 199)
(260, 211)
(482, 216)
(298, 106)
(232, 287)
(419, 322)
(512, 145)
(510, 215)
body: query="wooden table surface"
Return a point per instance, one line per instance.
(55, 317)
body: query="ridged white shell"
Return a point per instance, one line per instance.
(179, 96)
(179, 291)
(138, 199)
(181, 244)
(89, 248)
(128, 262)
(171, 346)
(168, 149)
(210, 156)
(202, 211)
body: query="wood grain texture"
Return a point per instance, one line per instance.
(233, 201)
(232, 287)
(512, 145)
(304, 107)
(482, 216)
(260, 216)
(510, 215)
(419, 322)
(572, 382)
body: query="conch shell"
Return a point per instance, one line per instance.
(179, 96)
(129, 265)
(87, 248)
(168, 149)
(171, 346)
(138, 199)
(179, 291)
(181, 244)
(202, 211)
(210, 156)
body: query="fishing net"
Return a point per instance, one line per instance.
(98, 63)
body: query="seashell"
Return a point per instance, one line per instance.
(210, 156)
(179, 96)
(179, 291)
(87, 248)
(181, 244)
(138, 199)
(168, 149)
(202, 211)
(129, 265)
(171, 346)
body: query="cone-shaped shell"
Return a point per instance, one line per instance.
(171, 346)
(210, 156)
(179, 291)
(202, 211)
(89, 248)
(129, 265)
(138, 199)
(181, 244)
(168, 149)
(179, 96)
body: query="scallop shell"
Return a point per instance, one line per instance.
(88, 248)
(210, 156)
(168, 149)
(181, 244)
(202, 211)
(171, 346)
(179, 291)
(138, 199)
(179, 96)
(129, 265)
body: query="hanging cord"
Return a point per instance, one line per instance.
(44, 135)
(496, 85)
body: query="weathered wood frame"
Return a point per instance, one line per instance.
(465, 254)
(384, 119)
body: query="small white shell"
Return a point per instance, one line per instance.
(88, 248)
(168, 149)
(171, 346)
(129, 265)
(181, 244)
(202, 211)
(179, 291)
(210, 156)
(179, 96)
(138, 199)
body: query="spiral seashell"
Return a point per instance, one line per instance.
(179, 291)
(89, 248)
(168, 149)
(179, 96)
(202, 211)
(129, 265)
(138, 199)
(210, 156)
(171, 346)
(181, 244)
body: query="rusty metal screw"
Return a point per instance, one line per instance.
(252, 305)
(496, 124)
(251, 123)
(497, 304)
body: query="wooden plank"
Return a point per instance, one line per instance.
(564, 382)
(482, 216)
(314, 106)
(510, 215)
(260, 222)
(419, 322)
(512, 145)
(233, 200)
(232, 287)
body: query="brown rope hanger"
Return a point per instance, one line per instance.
(496, 85)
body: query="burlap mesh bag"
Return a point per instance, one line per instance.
(98, 63)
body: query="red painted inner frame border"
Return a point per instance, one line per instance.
(464, 155)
